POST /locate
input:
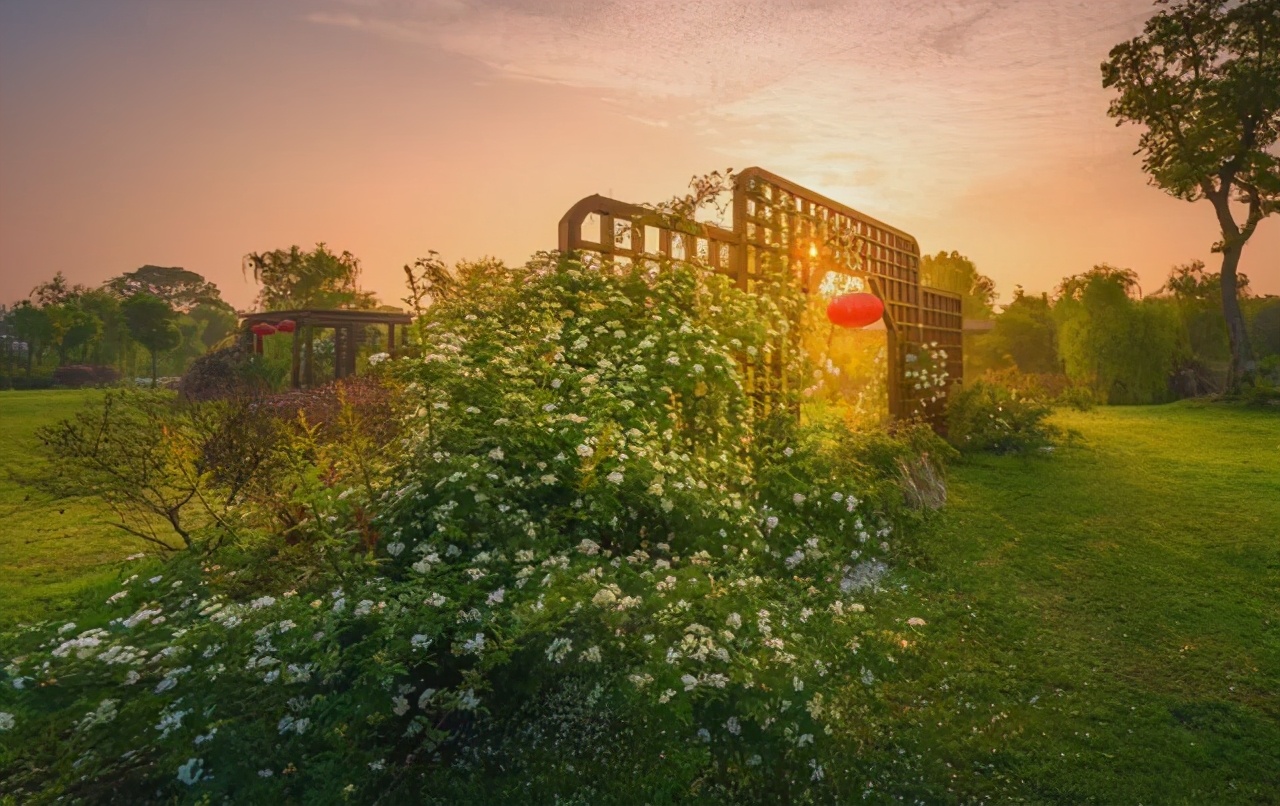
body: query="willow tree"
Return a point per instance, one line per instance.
(1203, 78)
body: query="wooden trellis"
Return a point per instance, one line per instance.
(775, 218)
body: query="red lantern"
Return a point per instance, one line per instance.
(855, 310)
(263, 329)
(286, 326)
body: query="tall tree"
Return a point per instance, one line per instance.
(182, 289)
(1203, 78)
(152, 323)
(293, 278)
(952, 271)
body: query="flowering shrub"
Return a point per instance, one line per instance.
(988, 417)
(592, 556)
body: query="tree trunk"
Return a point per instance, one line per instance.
(1242, 363)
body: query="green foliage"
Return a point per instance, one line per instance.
(1025, 334)
(1264, 325)
(152, 323)
(1122, 348)
(986, 417)
(33, 326)
(71, 327)
(317, 279)
(584, 527)
(955, 272)
(141, 455)
(1203, 80)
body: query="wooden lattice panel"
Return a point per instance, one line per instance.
(776, 218)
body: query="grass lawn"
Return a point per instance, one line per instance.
(1106, 621)
(51, 553)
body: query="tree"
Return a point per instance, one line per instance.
(73, 327)
(1204, 80)
(111, 344)
(1025, 333)
(1121, 346)
(32, 326)
(152, 323)
(182, 289)
(56, 291)
(955, 272)
(317, 279)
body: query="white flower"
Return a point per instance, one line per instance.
(585, 450)
(474, 645)
(733, 725)
(420, 641)
(559, 649)
(798, 498)
(66, 628)
(690, 682)
(615, 477)
(426, 697)
(591, 654)
(795, 559)
(400, 706)
(589, 547)
(7, 721)
(266, 773)
(378, 358)
(435, 600)
(191, 772)
(363, 607)
(916, 622)
(496, 454)
(734, 620)
(497, 596)
(394, 549)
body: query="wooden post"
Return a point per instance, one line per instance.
(295, 378)
(391, 338)
(310, 374)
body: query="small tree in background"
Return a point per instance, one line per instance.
(1121, 346)
(31, 326)
(152, 323)
(1204, 80)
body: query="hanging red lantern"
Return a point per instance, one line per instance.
(286, 326)
(263, 329)
(855, 310)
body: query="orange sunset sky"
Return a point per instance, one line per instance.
(186, 133)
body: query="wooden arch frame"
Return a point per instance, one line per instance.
(776, 217)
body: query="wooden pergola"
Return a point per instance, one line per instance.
(773, 217)
(345, 324)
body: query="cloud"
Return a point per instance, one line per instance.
(910, 101)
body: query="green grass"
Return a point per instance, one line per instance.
(52, 553)
(1106, 620)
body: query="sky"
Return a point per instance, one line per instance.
(186, 133)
